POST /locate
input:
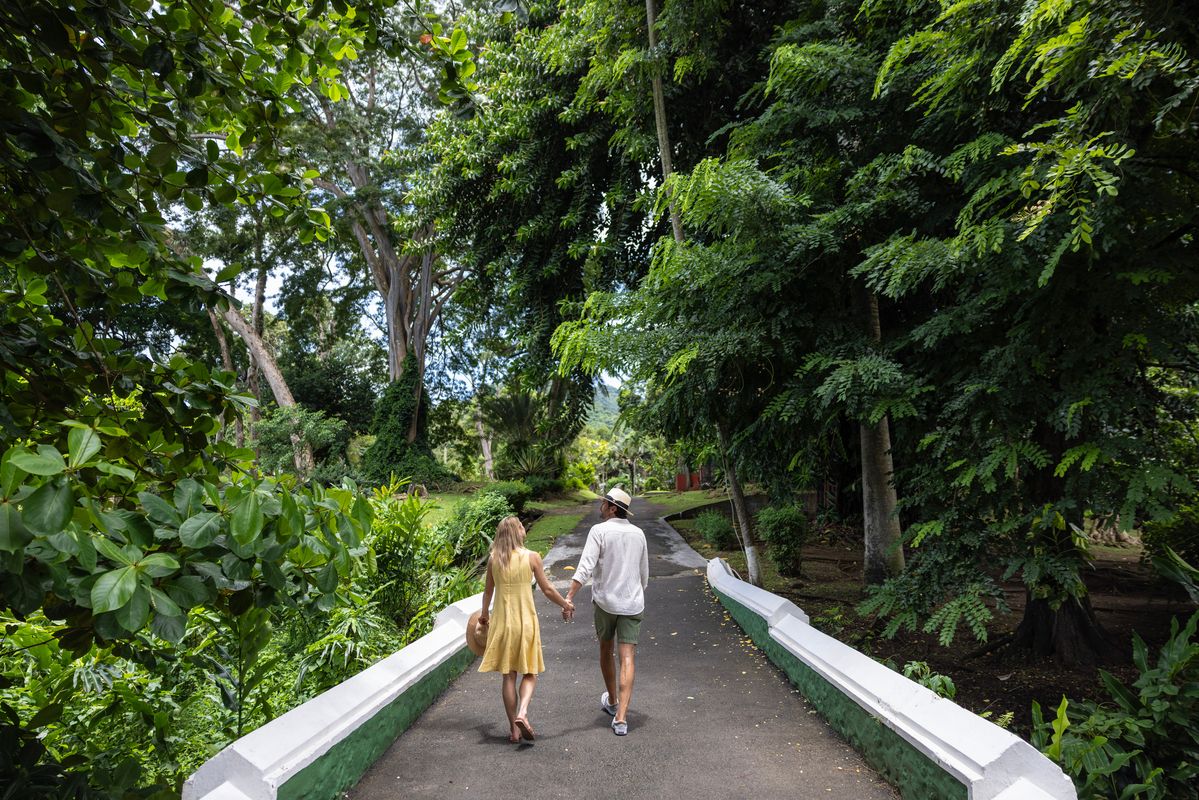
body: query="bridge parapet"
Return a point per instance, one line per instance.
(322, 747)
(927, 746)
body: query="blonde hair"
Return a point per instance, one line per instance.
(509, 536)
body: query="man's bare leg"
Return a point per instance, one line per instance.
(627, 652)
(608, 668)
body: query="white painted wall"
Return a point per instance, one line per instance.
(994, 764)
(256, 765)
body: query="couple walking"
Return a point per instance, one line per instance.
(615, 560)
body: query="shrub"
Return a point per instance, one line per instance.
(922, 673)
(785, 530)
(716, 529)
(1180, 533)
(468, 533)
(326, 436)
(542, 486)
(580, 475)
(1144, 743)
(651, 484)
(418, 568)
(515, 493)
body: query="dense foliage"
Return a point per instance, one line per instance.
(785, 531)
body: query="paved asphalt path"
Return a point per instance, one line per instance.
(710, 716)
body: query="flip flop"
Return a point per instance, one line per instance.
(526, 730)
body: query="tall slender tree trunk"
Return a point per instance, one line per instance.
(227, 360)
(258, 324)
(274, 378)
(651, 19)
(745, 522)
(485, 446)
(883, 552)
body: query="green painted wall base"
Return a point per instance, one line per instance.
(348, 760)
(905, 767)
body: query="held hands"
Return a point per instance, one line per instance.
(568, 610)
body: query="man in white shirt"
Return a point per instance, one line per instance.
(616, 561)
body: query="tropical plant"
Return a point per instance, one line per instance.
(785, 530)
(717, 530)
(1143, 741)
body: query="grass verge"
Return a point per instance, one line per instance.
(548, 528)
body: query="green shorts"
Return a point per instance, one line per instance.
(625, 629)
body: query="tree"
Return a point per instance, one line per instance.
(119, 512)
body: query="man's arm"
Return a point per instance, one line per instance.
(587, 562)
(644, 565)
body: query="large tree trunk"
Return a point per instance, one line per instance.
(745, 522)
(274, 378)
(883, 552)
(1070, 634)
(883, 557)
(651, 18)
(227, 360)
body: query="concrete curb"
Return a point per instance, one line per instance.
(320, 748)
(928, 746)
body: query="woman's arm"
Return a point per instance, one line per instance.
(488, 590)
(547, 588)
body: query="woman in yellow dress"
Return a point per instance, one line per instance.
(513, 635)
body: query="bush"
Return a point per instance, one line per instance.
(516, 493)
(651, 484)
(785, 530)
(716, 529)
(1144, 743)
(542, 486)
(417, 567)
(1180, 533)
(469, 532)
(326, 436)
(580, 475)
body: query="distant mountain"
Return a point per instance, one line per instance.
(603, 408)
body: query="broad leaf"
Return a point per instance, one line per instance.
(246, 522)
(158, 565)
(200, 530)
(113, 589)
(46, 461)
(82, 443)
(13, 535)
(48, 510)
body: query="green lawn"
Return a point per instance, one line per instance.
(445, 502)
(575, 498)
(545, 530)
(674, 502)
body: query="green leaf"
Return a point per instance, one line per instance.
(113, 589)
(134, 615)
(189, 497)
(188, 591)
(111, 551)
(170, 628)
(82, 444)
(48, 510)
(13, 535)
(246, 522)
(10, 476)
(47, 461)
(200, 530)
(159, 510)
(116, 469)
(46, 715)
(158, 565)
(163, 604)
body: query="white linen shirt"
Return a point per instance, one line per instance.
(616, 561)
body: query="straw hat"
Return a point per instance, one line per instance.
(620, 499)
(476, 634)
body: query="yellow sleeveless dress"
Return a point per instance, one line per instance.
(514, 637)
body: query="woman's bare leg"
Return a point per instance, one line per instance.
(509, 692)
(527, 685)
